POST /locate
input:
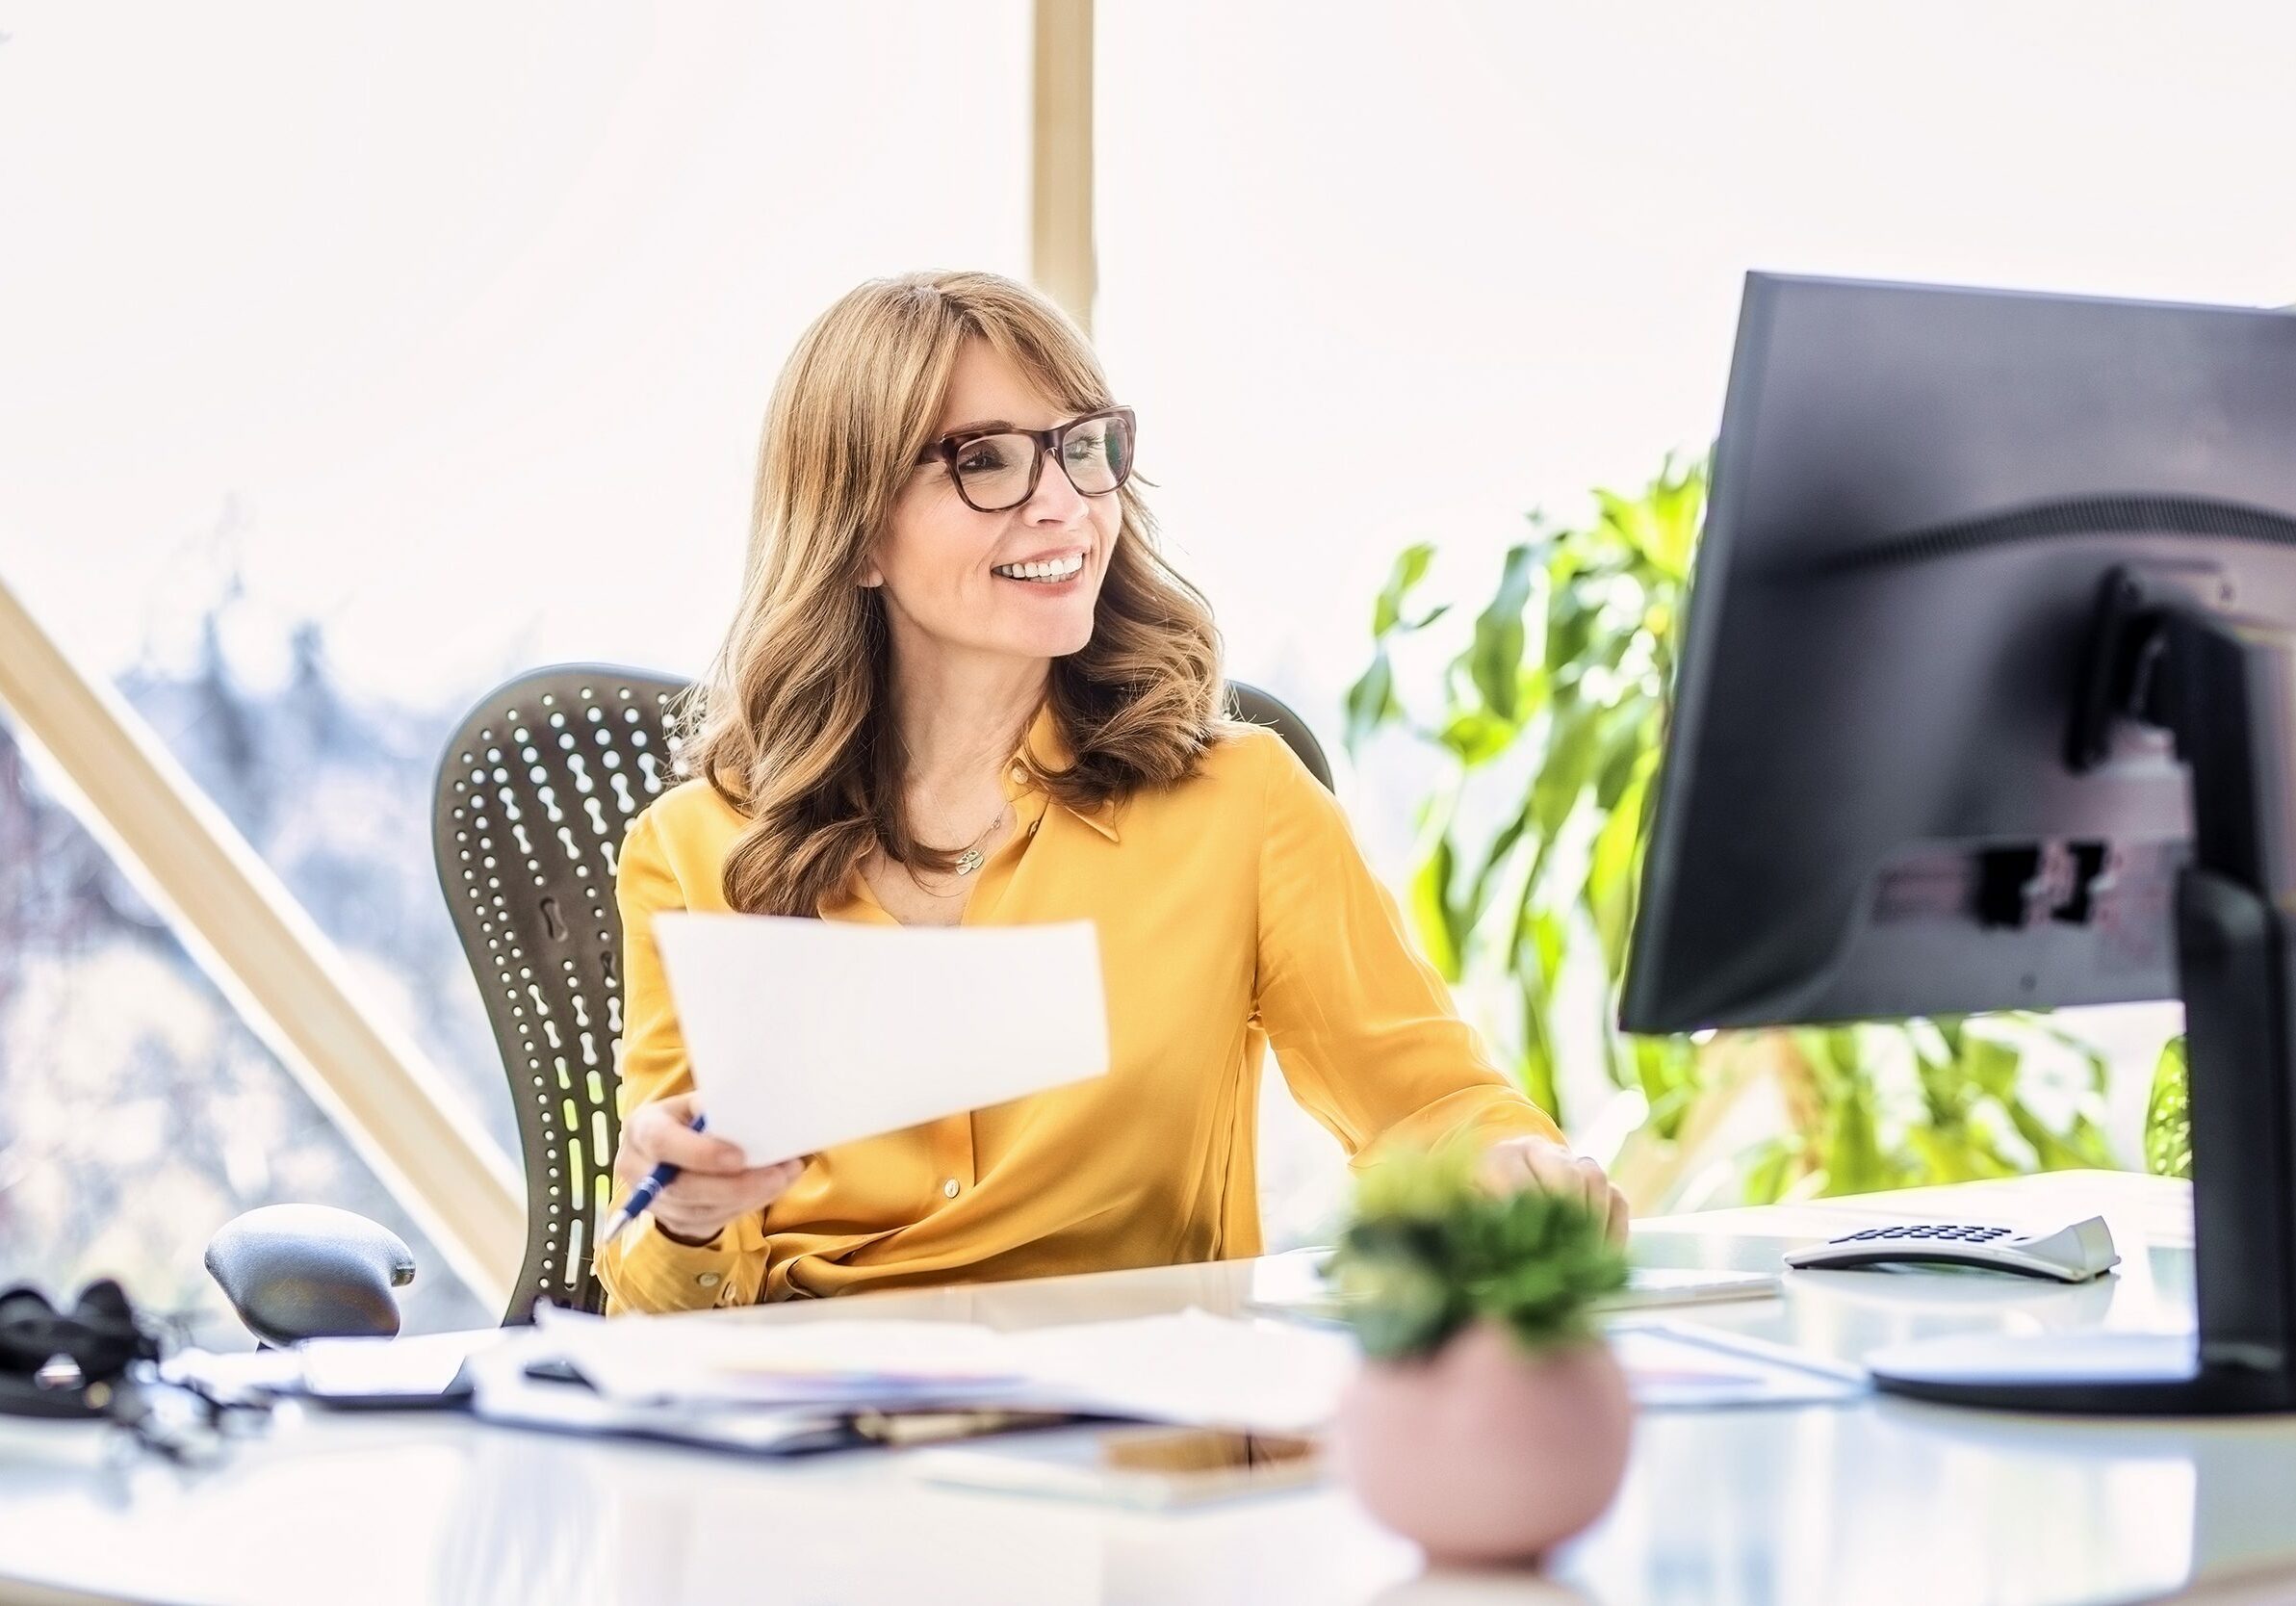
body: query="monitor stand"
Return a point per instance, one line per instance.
(2169, 652)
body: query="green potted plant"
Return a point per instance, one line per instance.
(1491, 1420)
(1546, 713)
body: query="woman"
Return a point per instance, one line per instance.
(963, 687)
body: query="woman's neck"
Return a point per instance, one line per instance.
(959, 723)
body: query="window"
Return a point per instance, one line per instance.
(372, 358)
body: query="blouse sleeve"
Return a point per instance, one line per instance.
(1364, 1028)
(642, 1269)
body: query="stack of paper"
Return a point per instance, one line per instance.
(1191, 1369)
(1195, 1369)
(840, 1365)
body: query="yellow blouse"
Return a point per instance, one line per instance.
(1233, 910)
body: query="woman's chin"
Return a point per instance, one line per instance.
(1065, 643)
(1053, 637)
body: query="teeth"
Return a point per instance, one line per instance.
(1055, 569)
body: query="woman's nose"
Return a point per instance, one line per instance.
(1055, 501)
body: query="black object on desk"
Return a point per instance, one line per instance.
(69, 1363)
(1988, 701)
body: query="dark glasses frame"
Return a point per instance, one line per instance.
(1047, 443)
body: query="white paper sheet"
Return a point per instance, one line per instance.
(688, 1360)
(1679, 1365)
(379, 1367)
(805, 1034)
(1193, 1368)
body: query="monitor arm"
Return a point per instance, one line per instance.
(2225, 689)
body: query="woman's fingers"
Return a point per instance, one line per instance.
(1621, 1215)
(697, 1205)
(659, 1130)
(743, 1190)
(1506, 1168)
(1533, 1162)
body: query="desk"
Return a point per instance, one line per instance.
(1882, 1502)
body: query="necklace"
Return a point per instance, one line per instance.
(970, 859)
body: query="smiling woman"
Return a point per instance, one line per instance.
(963, 687)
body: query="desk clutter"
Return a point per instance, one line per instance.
(794, 1388)
(797, 1388)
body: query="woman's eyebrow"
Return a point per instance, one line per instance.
(985, 424)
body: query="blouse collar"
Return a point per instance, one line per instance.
(1050, 749)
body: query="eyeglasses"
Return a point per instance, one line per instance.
(997, 469)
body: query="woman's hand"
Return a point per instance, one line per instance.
(714, 1183)
(1535, 1162)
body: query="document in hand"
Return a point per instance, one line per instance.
(805, 1034)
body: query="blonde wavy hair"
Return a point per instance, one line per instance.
(792, 724)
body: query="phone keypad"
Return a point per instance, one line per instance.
(1932, 1231)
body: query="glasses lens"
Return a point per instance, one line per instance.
(992, 471)
(1097, 454)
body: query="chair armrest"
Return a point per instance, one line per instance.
(310, 1271)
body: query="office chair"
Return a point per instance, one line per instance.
(535, 789)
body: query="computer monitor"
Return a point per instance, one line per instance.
(1986, 700)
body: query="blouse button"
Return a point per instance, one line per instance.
(948, 1188)
(708, 1280)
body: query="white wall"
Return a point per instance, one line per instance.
(1376, 272)
(448, 301)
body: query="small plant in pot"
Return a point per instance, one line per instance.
(1490, 1422)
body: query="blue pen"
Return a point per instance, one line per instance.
(641, 1198)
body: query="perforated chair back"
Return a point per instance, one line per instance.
(535, 789)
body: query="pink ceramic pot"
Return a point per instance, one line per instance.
(1485, 1452)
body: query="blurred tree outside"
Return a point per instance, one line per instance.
(138, 1112)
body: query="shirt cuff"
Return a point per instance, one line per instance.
(1479, 1114)
(647, 1270)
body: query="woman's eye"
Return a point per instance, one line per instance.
(982, 458)
(1087, 449)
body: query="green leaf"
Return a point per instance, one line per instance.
(1494, 859)
(1370, 701)
(1476, 736)
(1661, 523)
(1432, 915)
(1538, 1070)
(1609, 892)
(1410, 568)
(1496, 659)
(2168, 1114)
(1991, 1066)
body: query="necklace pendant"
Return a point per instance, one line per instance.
(968, 861)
